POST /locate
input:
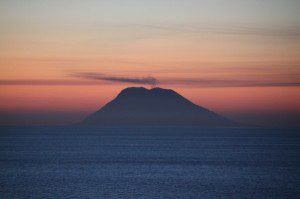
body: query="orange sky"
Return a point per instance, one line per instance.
(240, 59)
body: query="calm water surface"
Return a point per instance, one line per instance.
(140, 162)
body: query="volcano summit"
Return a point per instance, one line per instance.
(157, 106)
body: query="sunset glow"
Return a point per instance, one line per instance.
(240, 60)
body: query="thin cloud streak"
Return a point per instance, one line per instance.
(216, 29)
(226, 83)
(44, 82)
(87, 79)
(133, 80)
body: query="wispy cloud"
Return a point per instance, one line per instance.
(45, 82)
(81, 79)
(225, 29)
(198, 82)
(133, 80)
(229, 29)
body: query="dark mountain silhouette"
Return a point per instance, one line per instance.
(157, 106)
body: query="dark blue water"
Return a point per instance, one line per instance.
(139, 162)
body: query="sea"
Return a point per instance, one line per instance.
(149, 162)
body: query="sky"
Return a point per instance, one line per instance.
(60, 60)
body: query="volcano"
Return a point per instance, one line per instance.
(156, 106)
